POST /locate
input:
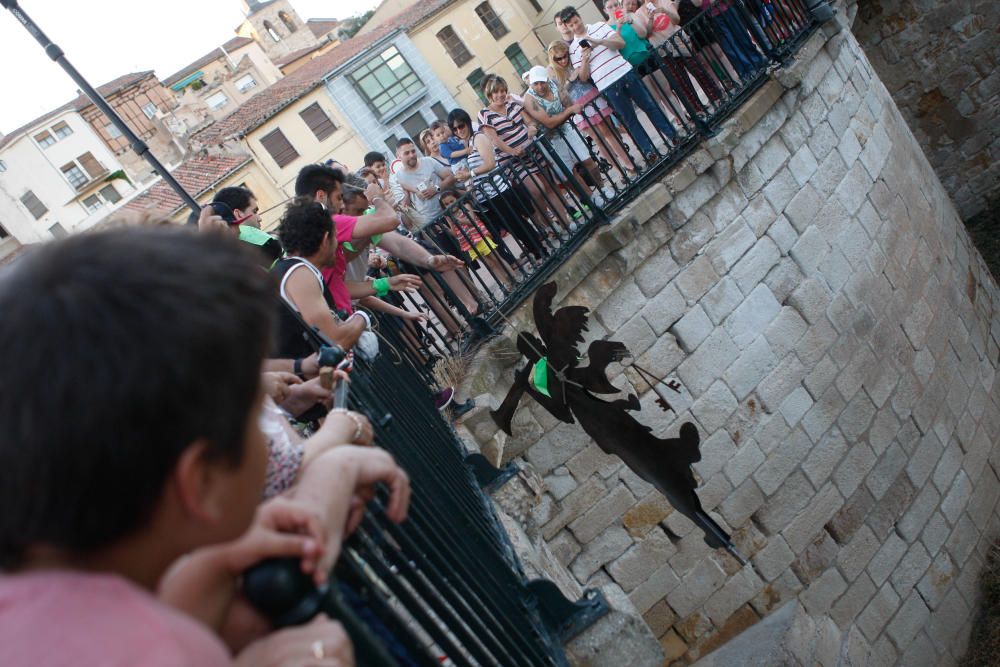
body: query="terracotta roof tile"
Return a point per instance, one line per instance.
(268, 102)
(321, 27)
(214, 54)
(196, 175)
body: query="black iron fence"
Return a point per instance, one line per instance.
(516, 227)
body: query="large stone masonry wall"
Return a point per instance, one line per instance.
(940, 61)
(806, 278)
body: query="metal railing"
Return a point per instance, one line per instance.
(516, 227)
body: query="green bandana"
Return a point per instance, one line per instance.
(540, 376)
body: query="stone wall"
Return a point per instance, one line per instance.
(939, 61)
(806, 278)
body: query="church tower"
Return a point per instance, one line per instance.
(276, 26)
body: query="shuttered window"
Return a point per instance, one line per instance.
(91, 165)
(111, 194)
(454, 45)
(318, 121)
(33, 204)
(279, 148)
(491, 20)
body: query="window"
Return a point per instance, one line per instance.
(318, 121)
(3, 232)
(491, 20)
(111, 194)
(392, 141)
(74, 175)
(33, 204)
(246, 82)
(386, 81)
(476, 82)
(517, 58)
(534, 5)
(149, 109)
(62, 130)
(269, 29)
(216, 101)
(454, 45)
(287, 20)
(414, 125)
(279, 147)
(92, 203)
(3, 166)
(91, 165)
(45, 139)
(112, 130)
(439, 111)
(58, 231)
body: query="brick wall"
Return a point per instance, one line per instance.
(806, 278)
(939, 61)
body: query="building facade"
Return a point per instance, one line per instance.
(276, 26)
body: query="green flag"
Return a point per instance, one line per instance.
(540, 377)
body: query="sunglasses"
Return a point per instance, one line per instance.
(565, 56)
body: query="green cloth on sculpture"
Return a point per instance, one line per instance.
(540, 376)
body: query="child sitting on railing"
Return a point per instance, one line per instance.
(473, 237)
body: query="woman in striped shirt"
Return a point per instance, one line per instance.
(505, 203)
(503, 121)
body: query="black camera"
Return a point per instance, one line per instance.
(584, 44)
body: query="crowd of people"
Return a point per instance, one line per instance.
(196, 433)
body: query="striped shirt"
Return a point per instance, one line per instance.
(487, 185)
(508, 125)
(606, 65)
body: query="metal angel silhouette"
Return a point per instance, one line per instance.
(554, 378)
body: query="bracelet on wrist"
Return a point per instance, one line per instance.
(381, 286)
(359, 427)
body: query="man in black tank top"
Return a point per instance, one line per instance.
(306, 232)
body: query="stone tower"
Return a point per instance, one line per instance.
(276, 26)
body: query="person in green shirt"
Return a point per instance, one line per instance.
(238, 207)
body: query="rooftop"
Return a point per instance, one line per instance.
(79, 103)
(321, 27)
(196, 175)
(267, 103)
(213, 55)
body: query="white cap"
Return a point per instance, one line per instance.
(538, 73)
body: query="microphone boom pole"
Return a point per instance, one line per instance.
(138, 145)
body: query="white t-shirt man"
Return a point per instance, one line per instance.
(427, 174)
(606, 65)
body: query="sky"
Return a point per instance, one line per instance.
(104, 39)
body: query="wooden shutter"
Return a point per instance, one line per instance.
(34, 204)
(279, 148)
(318, 121)
(111, 194)
(91, 165)
(454, 45)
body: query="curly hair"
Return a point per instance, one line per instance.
(303, 226)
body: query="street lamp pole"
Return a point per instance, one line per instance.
(138, 145)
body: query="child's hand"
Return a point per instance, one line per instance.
(304, 395)
(281, 528)
(405, 282)
(444, 263)
(344, 427)
(321, 643)
(412, 316)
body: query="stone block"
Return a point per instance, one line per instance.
(603, 549)
(590, 460)
(576, 503)
(721, 300)
(785, 331)
(641, 560)
(707, 363)
(781, 461)
(752, 316)
(795, 405)
(759, 215)
(606, 511)
(715, 451)
(699, 277)
(773, 559)
(829, 175)
(755, 264)
(910, 569)
(854, 468)
(886, 471)
(854, 420)
(729, 246)
(851, 192)
(825, 456)
(555, 447)
(646, 514)
(824, 413)
(811, 299)
(780, 382)
(564, 547)
(883, 606)
(783, 278)
(803, 164)
(886, 514)
(956, 497)
(937, 582)
(658, 270)
(772, 157)
(857, 553)
(823, 592)
(735, 593)
(737, 508)
(664, 309)
(911, 617)
(781, 189)
(913, 522)
(691, 238)
(853, 601)
(706, 578)
(752, 366)
(692, 328)
(621, 305)
(783, 234)
(811, 520)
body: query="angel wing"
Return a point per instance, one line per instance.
(561, 331)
